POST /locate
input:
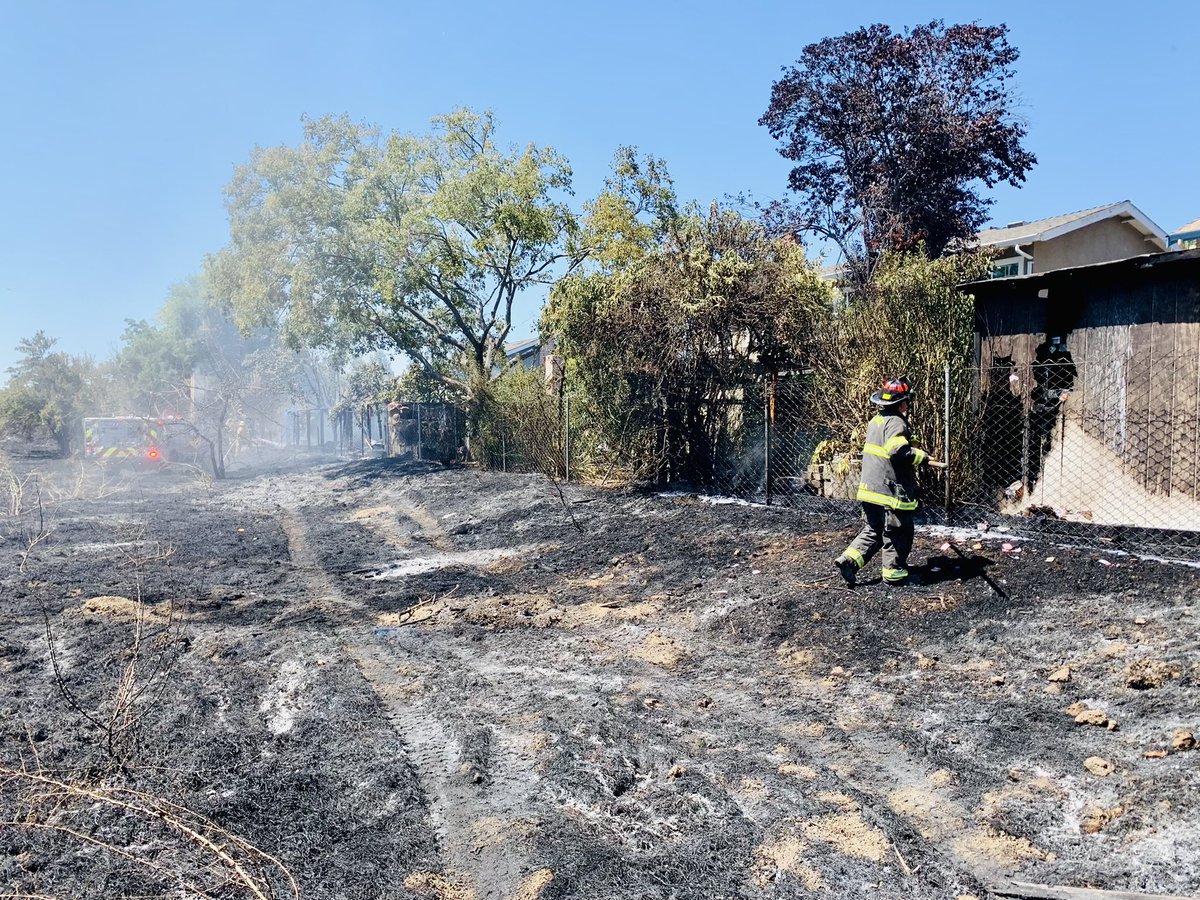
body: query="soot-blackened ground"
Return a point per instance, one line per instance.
(404, 680)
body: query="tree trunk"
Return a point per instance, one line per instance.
(219, 457)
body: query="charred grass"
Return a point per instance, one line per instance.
(385, 675)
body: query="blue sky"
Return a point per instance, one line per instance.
(124, 120)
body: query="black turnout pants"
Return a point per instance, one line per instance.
(889, 529)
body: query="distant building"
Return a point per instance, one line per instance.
(528, 353)
(1187, 237)
(1090, 236)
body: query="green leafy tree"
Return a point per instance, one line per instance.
(912, 320)
(415, 384)
(154, 367)
(194, 362)
(365, 383)
(48, 391)
(357, 241)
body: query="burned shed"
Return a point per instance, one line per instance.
(1088, 392)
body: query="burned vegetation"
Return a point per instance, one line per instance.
(401, 680)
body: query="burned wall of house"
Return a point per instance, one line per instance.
(1091, 370)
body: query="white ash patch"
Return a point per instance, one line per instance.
(424, 564)
(282, 703)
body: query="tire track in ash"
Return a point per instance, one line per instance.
(499, 683)
(470, 800)
(853, 743)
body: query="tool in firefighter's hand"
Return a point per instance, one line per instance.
(936, 463)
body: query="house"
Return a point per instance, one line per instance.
(1087, 392)
(1098, 235)
(1187, 237)
(527, 353)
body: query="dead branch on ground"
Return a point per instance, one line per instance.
(192, 853)
(33, 537)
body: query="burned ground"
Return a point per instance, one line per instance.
(413, 681)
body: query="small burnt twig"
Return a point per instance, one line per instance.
(405, 618)
(907, 869)
(220, 855)
(41, 533)
(566, 506)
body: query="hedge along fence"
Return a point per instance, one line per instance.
(764, 425)
(909, 320)
(665, 387)
(662, 343)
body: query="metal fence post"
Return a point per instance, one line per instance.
(567, 439)
(419, 448)
(767, 443)
(946, 441)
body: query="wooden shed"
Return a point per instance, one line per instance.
(1089, 391)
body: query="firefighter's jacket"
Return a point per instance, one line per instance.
(889, 465)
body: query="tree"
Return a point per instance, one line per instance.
(892, 133)
(417, 244)
(47, 390)
(196, 363)
(682, 308)
(154, 366)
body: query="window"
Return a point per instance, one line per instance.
(1007, 268)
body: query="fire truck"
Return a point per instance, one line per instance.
(135, 439)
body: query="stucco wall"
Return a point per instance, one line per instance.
(1104, 241)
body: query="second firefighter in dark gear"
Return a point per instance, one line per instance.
(888, 488)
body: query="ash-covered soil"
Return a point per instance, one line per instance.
(388, 680)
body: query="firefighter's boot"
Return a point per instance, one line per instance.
(848, 569)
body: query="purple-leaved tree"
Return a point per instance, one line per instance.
(893, 135)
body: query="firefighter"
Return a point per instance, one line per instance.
(888, 489)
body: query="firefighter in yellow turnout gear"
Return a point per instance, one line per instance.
(888, 489)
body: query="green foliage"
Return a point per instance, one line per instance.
(909, 320)
(683, 307)
(366, 381)
(416, 384)
(21, 410)
(197, 364)
(47, 392)
(356, 241)
(153, 366)
(519, 424)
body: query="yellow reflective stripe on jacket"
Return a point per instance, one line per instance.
(875, 450)
(895, 443)
(866, 495)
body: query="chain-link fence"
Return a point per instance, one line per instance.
(1048, 449)
(1088, 453)
(528, 434)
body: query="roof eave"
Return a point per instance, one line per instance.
(1126, 212)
